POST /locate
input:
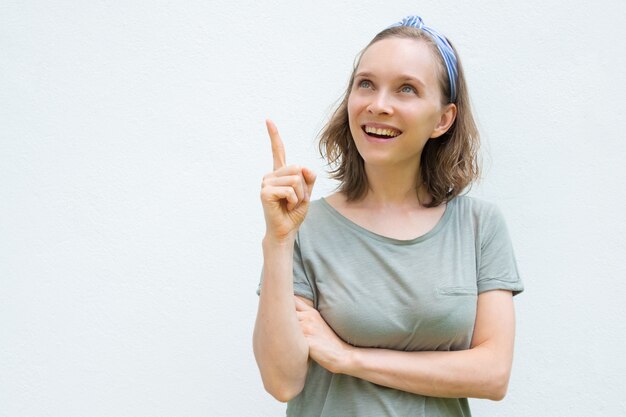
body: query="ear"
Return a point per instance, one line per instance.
(448, 115)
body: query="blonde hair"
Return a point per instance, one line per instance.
(448, 164)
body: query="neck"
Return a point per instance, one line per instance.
(394, 187)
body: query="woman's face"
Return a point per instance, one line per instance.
(396, 90)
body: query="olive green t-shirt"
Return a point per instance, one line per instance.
(407, 295)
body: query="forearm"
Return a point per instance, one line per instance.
(280, 348)
(475, 373)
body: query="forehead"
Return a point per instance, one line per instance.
(391, 57)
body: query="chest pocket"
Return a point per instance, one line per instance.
(457, 290)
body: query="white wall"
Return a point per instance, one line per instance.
(132, 147)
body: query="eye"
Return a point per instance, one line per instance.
(408, 89)
(364, 84)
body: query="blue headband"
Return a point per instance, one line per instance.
(442, 44)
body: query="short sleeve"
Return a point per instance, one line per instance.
(497, 266)
(302, 286)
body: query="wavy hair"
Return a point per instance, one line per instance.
(448, 164)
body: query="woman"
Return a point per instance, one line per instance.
(394, 296)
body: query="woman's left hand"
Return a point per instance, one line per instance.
(325, 347)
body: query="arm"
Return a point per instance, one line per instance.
(280, 349)
(479, 372)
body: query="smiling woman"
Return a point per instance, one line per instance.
(403, 287)
(422, 76)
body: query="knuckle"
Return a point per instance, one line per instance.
(265, 185)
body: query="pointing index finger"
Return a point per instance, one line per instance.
(278, 149)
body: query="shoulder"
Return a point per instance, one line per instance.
(317, 209)
(484, 215)
(318, 216)
(474, 205)
(320, 229)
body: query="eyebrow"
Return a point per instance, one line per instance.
(404, 77)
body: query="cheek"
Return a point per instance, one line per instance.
(352, 112)
(356, 110)
(350, 107)
(355, 105)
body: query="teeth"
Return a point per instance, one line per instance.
(384, 132)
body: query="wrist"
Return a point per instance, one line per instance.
(286, 241)
(349, 361)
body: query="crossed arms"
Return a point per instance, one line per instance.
(285, 337)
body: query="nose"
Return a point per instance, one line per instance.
(380, 103)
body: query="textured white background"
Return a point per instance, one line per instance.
(132, 147)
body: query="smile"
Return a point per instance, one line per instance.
(381, 133)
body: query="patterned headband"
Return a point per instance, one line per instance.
(442, 44)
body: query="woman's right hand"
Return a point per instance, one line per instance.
(285, 192)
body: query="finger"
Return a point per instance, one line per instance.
(280, 193)
(292, 169)
(278, 149)
(286, 170)
(294, 181)
(301, 305)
